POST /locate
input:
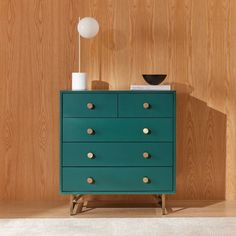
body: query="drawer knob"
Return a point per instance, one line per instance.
(90, 131)
(146, 180)
(90, 155)
(146, 105)
(90, 180)
(90, 106)
(146, 131)
(146, 155)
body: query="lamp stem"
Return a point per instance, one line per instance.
(79, 47)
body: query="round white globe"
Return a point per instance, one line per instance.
(88, 27)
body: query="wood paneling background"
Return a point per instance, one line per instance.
(193, 41)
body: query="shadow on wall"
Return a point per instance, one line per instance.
(200, 148)
(99, 85)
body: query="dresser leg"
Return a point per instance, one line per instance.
(76, 205)
(158, 197)
(163, 204)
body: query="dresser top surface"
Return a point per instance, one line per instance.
(117, 91)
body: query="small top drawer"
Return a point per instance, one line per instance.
(146, 105)
(89, 105)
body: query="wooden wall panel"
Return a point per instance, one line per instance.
(193, 41)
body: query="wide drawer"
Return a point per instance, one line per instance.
(115, 130)
(89, 105)
(145, 105)
(74, 179)
(117, 154)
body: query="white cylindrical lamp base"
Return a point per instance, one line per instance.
(79, 81)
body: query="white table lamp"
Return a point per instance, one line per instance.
(87, 27)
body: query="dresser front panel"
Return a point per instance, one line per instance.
(132, 105)
(76, 105)
(117, 179)
(117, 130)
(118, 154)
(118, 142)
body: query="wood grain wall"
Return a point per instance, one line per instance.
(193, 41)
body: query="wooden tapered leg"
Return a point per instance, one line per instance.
(72, 204)
(163, 204)
(158, 198)
(76, 205)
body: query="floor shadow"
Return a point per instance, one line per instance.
(173, 207)
(125, 205)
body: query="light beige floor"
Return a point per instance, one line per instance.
(118, 210)
(183, 226)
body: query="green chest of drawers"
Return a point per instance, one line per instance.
(117, 142)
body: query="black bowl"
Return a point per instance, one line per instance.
(154, 79)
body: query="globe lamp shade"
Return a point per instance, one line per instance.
(88, 27)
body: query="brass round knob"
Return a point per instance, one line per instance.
(90, 131)
(146, 180)
(146, 131)
(146, 155)
(90, 106)
(90, 180)
(90, 155)
(146, 105)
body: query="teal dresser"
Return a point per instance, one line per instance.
(117, 142)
